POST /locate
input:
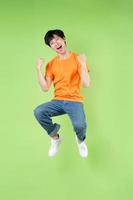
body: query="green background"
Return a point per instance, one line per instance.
(102, 30)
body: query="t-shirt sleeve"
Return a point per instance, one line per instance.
(48, 71)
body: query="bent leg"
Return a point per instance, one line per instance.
(43, 114)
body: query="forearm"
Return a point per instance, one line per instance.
(41, 80)
(85, 78)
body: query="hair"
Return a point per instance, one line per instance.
(50, 35)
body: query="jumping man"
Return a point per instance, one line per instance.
(67, 71)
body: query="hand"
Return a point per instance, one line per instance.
(82, 59)
(39, 63)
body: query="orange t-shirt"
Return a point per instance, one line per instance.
(65, 75)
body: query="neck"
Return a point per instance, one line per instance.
(65, 54)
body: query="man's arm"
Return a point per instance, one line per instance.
(85, 77)
(45, 83)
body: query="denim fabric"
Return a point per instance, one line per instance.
(74, 110)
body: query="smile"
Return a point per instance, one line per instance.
(59, 47)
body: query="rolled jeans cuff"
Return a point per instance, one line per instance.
(55, 130)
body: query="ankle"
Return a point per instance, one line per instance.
(55, 137)
(80, 141)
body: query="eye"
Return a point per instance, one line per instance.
(57, 39)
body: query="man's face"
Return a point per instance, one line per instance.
(58, 44)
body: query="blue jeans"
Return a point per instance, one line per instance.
(74, 110)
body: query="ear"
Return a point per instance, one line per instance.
(64, 40)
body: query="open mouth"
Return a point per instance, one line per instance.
(59, 47)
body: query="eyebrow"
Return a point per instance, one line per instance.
(53, 38)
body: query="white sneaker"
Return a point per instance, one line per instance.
(83, 150)
(54, 146)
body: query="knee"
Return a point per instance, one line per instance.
(37, 113)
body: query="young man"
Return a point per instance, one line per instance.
(67, 71)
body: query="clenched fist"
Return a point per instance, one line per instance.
(39, 63)
(82, 59)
